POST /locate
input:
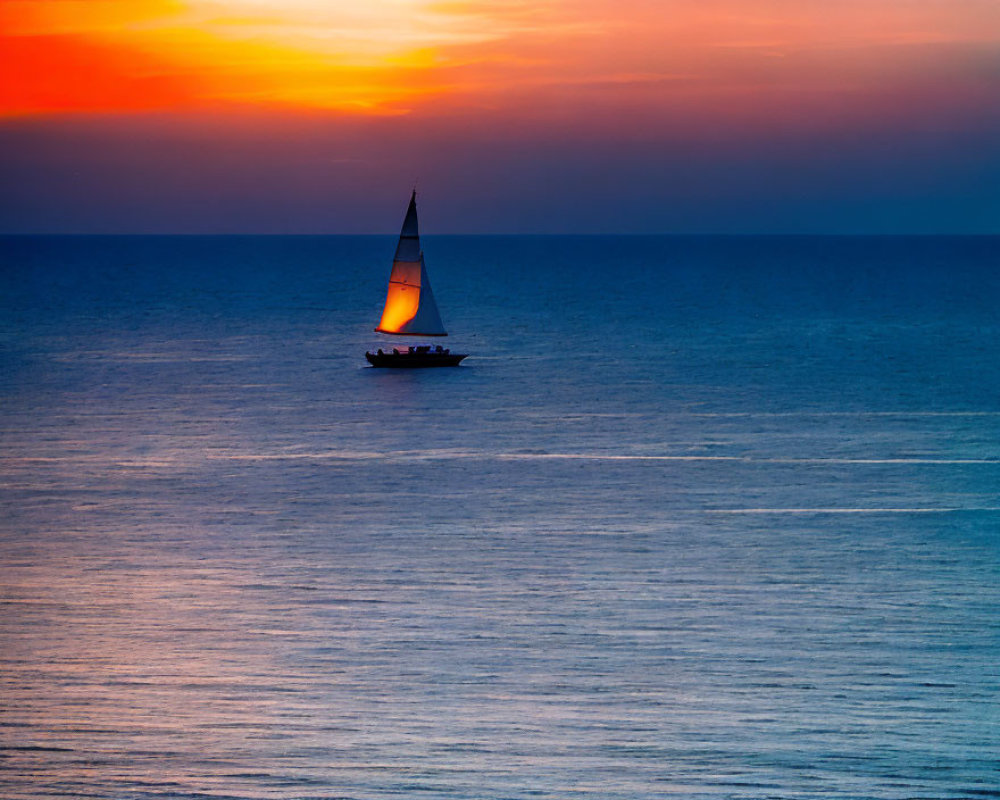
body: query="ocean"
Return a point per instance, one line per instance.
(698, 517)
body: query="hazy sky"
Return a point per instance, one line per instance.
(593, 116)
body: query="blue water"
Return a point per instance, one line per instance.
(697, 518)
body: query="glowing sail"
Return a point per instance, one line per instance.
(409, 304)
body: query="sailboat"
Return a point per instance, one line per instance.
(410, 309)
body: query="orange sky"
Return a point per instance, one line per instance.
(396, 56)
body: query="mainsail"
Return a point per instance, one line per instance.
(409, 304)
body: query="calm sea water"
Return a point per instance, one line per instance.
(706, 518)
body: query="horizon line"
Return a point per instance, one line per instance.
(677, 234)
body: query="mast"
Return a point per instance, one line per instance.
(409, 304)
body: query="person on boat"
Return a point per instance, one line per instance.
(380, 352)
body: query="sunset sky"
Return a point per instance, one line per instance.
(631, 116)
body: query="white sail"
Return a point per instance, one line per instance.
(409, 303)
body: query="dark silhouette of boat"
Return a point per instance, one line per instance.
(420, 356)
(410, 309)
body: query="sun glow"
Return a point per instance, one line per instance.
(373, 57)
(392, 56)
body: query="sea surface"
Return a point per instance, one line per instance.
(697, 518)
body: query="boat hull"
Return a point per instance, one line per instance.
(414, 360)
